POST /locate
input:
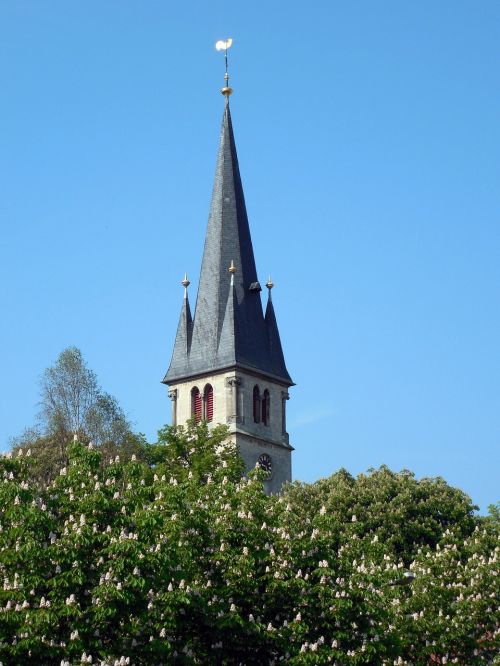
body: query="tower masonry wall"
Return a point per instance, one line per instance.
(251, 449)
(183, 398)
(233, 405)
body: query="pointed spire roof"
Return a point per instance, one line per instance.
(229, 328)
(182, 344)
(277, 359)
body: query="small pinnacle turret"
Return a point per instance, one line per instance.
(182, 344)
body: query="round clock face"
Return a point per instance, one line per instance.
(266, 463)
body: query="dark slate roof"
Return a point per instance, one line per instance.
(277, 360)
(182, 344)
(229, 328)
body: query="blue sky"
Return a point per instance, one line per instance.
(368, 135)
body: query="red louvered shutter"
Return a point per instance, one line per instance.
(209, 403)
(197, 406)
(265, 407)
(256, 404)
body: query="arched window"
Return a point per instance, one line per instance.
(266, 403)
(256, 404)
(209, 402)
(196, 404)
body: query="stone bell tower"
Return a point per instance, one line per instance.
(227, 364)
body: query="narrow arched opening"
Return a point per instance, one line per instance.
(208, 394)
(256, 404)
(196, 404)
(266, 406)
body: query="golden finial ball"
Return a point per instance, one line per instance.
(232, 268)
(185, 282)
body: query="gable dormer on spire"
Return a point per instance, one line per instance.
(230, 325)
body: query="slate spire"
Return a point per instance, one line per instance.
(182, 345)
(277, 359)
(229, 329)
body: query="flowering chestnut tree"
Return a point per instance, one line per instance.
(172, 556)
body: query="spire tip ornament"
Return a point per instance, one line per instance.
(185, 282)
(232, 268)
(269, 283)
(222, 45)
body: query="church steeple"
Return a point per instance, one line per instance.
(227, 364)
(252, 344)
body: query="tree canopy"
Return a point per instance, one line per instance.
(72, 403)
(174, 557)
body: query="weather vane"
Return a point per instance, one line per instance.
(222, 45)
